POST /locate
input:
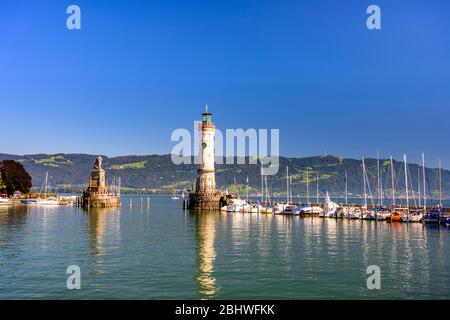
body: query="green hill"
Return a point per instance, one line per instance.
(71, 171)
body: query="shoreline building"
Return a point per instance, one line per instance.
(206, 196)
(97, 195)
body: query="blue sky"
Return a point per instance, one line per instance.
(138, 70)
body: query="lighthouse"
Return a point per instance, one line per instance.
(206, 195)
(206, 178)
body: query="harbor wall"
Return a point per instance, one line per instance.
(105, 200)
(206, 201)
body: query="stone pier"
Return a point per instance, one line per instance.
(97, 194)
(207, 201)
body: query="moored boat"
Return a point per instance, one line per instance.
(256, 208)
(396, 216)
(267, 210)
(445, 219)
(246, 208)
(237, 205)
(279, 208)
(330, 208)
(380, 217)
(44, 201)
(47, 202)
(431, 217)
(291, 210)
(341, 212)
(368, 215)
(416, 216)
(382, 214)
(29, 201)
(5, 202)
(354, 214)
(311, 210)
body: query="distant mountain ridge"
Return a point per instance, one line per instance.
(159, 173)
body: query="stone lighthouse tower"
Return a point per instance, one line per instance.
(206, 178)
(206, 196)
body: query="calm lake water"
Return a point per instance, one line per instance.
(163, 252)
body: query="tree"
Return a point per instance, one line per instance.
(15, 177)
(2, 185)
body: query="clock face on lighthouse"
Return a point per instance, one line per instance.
(204, 145)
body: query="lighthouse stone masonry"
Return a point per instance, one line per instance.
(206, 196)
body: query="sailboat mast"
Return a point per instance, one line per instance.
(287, 185)
(307, 186)
(247, 189)
(424, 184)
(346, 187)
(440, 183)
(419, 182)
(317, 191)
(46, 185)
(268, 200)
(392, 181)
(291, 193)
(406, 181)
(365, 186)
(262, 183)
(382, 193)
(378, 178)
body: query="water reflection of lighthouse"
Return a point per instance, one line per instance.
(206, 254)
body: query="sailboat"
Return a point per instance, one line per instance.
(47, 202)
(434, 216)
(286, 208)
(268, 208)
(415, 216)
(381, 213)
(396, 212)
(5, 202)
(366, 215)
(396, 216)
(405, 216)
(174, 197)
(354, 213)
(330, 208)
(444, 218)
(388, 213)
(410, 216)
(294, 209)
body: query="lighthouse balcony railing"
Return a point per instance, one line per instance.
(207, 126)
